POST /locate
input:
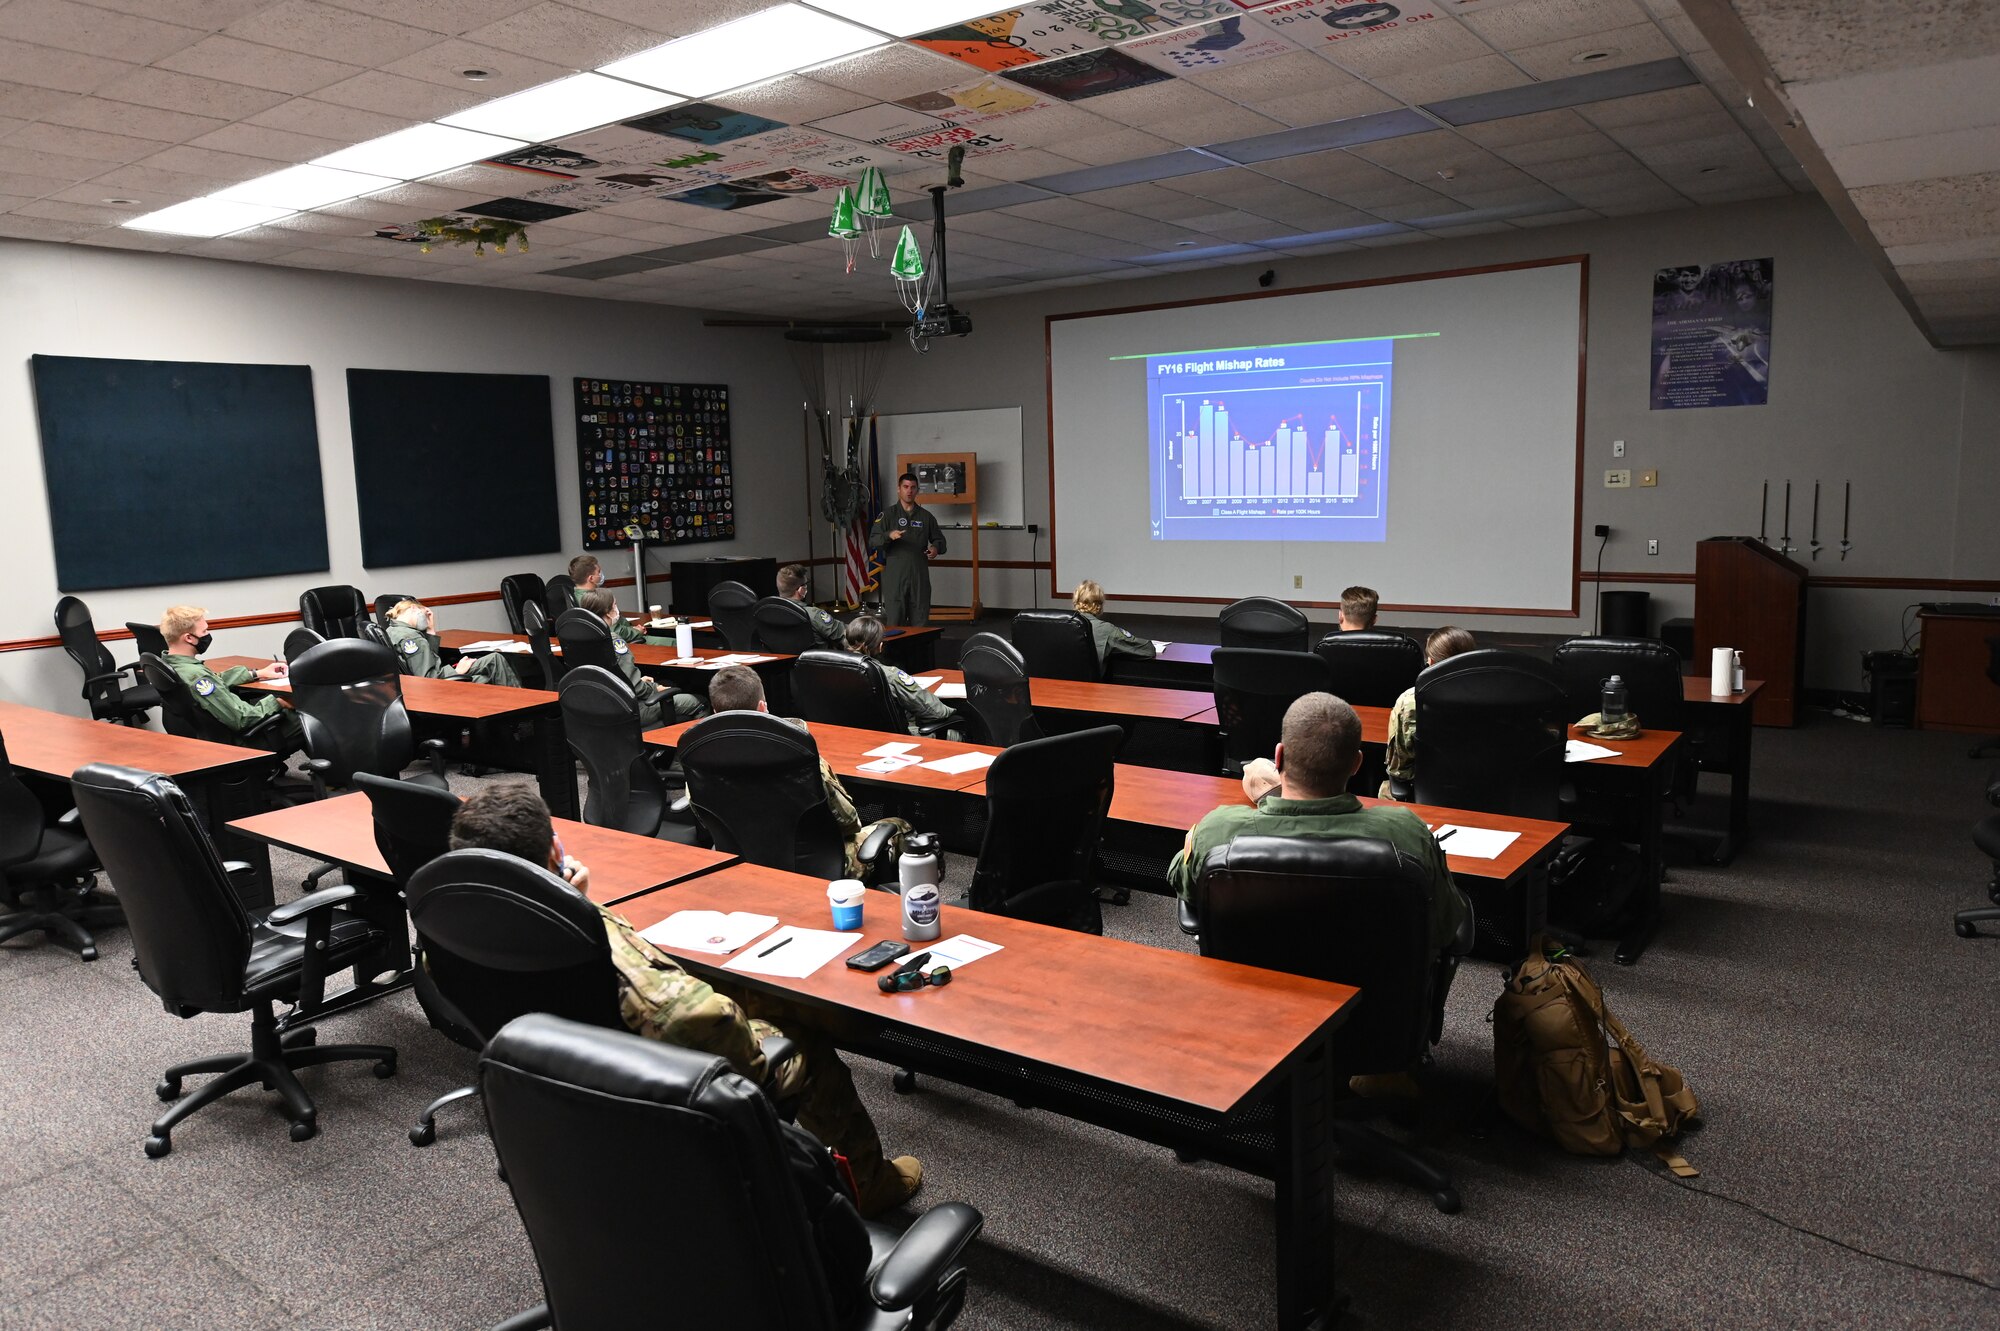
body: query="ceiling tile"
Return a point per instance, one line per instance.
(124, 118)
(566, 36)
(1462, 78)
(1957, 153)
(156, 187)
(507, 71)
(205, 162)
(34, 187)
(316, 119)
(72, 142)
(1894, 104)
(1027, 164)
(43, 228)
(795, 99)
(1716, 124)
(675, 18)
(1566, 147)
(28, 102)
(1255, 79)
(48, 165)
(1339, 97)
(1118, 145)
(66, 71)
(894, 71)
(1635, 45)
(205, 15)
(317, 29)
(407, 100)
(234, 61)
(1554, 219)
(261, 141)
(1526, 129)
(186, 92)
(1439, 42)
(97, 214)
(446, 16)
(1819, 39)
(1533, 22)
(76, 27)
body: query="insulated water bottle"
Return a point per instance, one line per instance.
(920, 871)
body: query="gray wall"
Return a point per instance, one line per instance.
(1856, 393)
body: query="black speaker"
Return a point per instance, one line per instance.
(1892, 687)
(1625, 614)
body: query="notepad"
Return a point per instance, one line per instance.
(1582, 751)
(929, 681)
(892, 750)
(792, 953)
(707, 930)
(1474, 843)
(496, 645)
(1159, 646)
(950, 690)
(964, 762)
(958, 952)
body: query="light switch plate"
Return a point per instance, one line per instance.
(1617, 448)
(1618, 480)
(1649, 478)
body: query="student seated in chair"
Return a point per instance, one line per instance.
(738, 689)
(185, 627)
(1402, 761)
(795, 584)
(661, 1001)
(658, 704)
(1109, 639)
(920, 706)
(1357, 609)
(587, 575)
(1303, 793)
(413, 634)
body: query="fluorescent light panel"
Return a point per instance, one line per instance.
(419, 151)
(299, 187)
(902, 18)
(208, 217)
(774, 41)
(567, 106)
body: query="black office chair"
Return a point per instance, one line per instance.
(1046, 800)
(1056, 644)
(998, 706)
(1355, 911)
(384, 603)
(535, 623)
(843, 689)
(375, 633)
(562, 1098)
(557, 595)
(349, 696)
(1490, 734)
(298, 641)
(1651, 672)
(47, 874)
(181, 715)
(517, 592)
(731, 606)
(147, 638)
(1263, 621)
(333, 612)
(1371, 668)
(584, 640)
(1986, 746)
(200, 951)
(110, 699)
(1986, 836)
(1253, 687)
(601, 718)
(779, 625)
(755, 785)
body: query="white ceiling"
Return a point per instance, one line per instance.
(1464, 116)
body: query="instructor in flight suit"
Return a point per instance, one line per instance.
(908, 538)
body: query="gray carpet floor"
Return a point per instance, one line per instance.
(1845, 1045)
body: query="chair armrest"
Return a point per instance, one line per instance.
(274, 719)
(111, 678)
(434, 750)
(1190, 922)
(317, 769)
(920, 1259)
(936, 729)
(1406, 791)
(875, 844)
(777, 1049)
(323, 899)
(238, 868)
(70, 819)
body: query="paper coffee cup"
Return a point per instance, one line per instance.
(845, 895)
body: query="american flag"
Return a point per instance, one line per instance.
(861, 569)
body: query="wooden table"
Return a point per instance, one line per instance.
(465, 701)
(1737, 713)
(913, 648)
(1178, 665)
(342, 830)
(224, 781)
(1076, 1024)
(846, 749)
(1119, 700)
(1374, 721)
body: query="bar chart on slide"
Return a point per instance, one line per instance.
(1271, 443)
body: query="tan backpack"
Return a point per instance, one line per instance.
(1557, 1074)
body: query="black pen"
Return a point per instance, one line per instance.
(775, 946)
(1447, 832)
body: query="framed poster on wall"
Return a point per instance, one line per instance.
(653, 456)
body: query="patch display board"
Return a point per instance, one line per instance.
(449, 467)
(229, 453)
(654, 456)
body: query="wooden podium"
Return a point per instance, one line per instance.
(961, 494)
(1750, 597)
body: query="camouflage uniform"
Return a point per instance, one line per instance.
(417, 654)
(686, 706)
(212, 693)
(1341, 816)
(920, 706)
(662, 1002)
(906, 573)
(848, 819)
(1402, 763)
(1110, 641)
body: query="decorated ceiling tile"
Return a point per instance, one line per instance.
(1315, 23)
(1089, 74)
(976, 103)
(1122, 20)
(1229, 41)
(750, 191)
(814, 150)
(915, 134)
(704, 123)
(1009, 39)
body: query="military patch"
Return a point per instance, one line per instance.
(902, 677)
(410, 646)
(618, 646)
(204, 687)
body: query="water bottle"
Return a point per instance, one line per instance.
(920, 871)
(1614, 708)
(683, 639)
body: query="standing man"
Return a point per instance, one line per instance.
(908, 538)
(795, 584)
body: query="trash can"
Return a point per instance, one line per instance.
(1892, 687)
(1625, 614)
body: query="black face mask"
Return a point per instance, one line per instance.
(201, 644)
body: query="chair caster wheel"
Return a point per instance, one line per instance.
(423, 1134)
(385, 1068)
(904, 1081)
(304, 1130)
(157, 1146)
(88, 954)
(1964, 929)
(168, 1088)
(1446, 1200)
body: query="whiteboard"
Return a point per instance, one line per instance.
(993, 434)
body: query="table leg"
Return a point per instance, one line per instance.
(1306, 1297)
(1741, 729)
(555, 770)
(1653, 865)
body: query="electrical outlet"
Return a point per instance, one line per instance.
(1617, 448)
(1652, 547)
(1649, 478)
(1298, 581)
(1618, 480)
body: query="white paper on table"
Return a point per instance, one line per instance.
(928, 681)
(950, 690)
(964, 762)
(893, 762)
(1474, 843)
(1159, 646)
(803, 951)
(958, 952)
(1580, 751)
(753, 660)
(494, 645)
(895, 750)
(707, 930)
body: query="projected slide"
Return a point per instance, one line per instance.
(1279, 443)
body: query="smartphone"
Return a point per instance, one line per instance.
(878, 956)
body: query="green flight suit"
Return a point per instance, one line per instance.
(906, 573)
(686, 707)
(920, 706)
(1340, 816)
(1110, 641)
(830, 631)
(417, 654)
(213, 693)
